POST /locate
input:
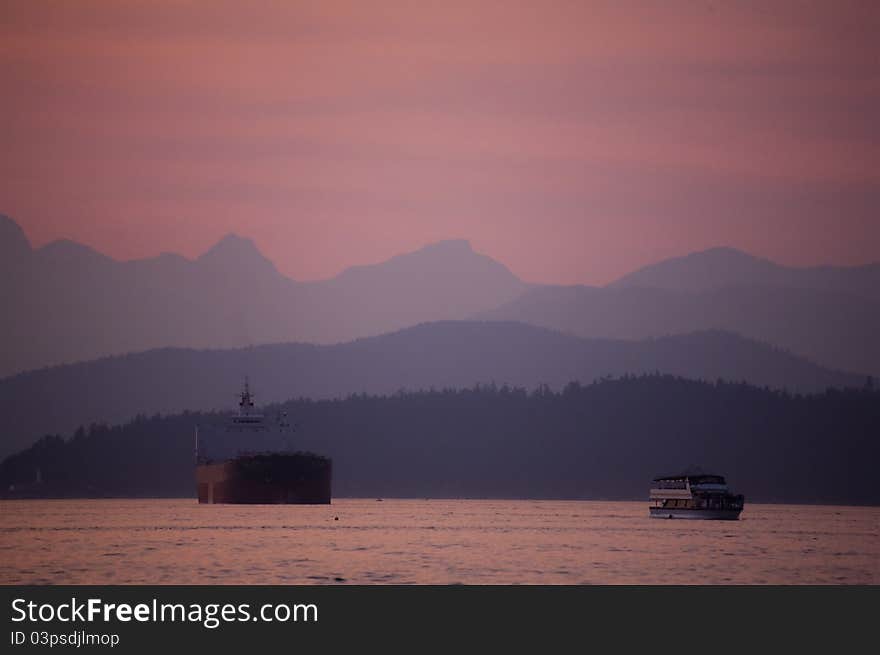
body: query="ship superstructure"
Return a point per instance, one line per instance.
(249, 459)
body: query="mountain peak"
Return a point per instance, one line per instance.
(13, 242)
(722, 253)
(70, 248)
(236, 252)
(232, 240)
(448, 245)
(697, 271)
(232, 245)
(442, 260)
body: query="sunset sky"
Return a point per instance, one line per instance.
(573, 141)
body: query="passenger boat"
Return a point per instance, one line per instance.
(694, 496)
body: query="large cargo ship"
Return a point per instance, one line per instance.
(694, 496)
(248, 459)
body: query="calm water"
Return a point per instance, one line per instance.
(429, 541)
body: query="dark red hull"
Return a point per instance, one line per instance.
(270, 479)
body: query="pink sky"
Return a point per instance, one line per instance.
(573, 141)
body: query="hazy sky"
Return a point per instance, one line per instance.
(574, 141)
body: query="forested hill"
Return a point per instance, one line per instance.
(453, 354)
(604, 440)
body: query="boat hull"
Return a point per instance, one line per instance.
(269, 479)
(696, 513)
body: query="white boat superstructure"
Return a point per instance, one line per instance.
(247, 458)
(247, 432)
(694, 496)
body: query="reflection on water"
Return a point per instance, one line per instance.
(429, 541)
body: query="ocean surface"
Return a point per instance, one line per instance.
(365, 541)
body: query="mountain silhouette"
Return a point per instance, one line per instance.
(829, 315)
(65, 302)
(718, 268)
(450, 354)
(14, 245)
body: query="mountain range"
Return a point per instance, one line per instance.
(829, 315)
(727, 267)
(65, 302)
(439, 355)
(833, 329)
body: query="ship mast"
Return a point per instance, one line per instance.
(246, 404)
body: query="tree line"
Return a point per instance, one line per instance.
(606, 439)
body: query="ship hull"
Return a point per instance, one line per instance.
(697, 513)
(272, 479)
